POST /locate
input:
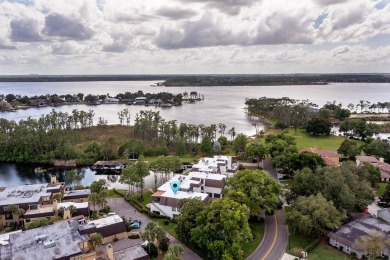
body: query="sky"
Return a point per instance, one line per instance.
(194, 36)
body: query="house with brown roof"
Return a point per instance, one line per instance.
(366, 159)
(331, 158)
(384, 168)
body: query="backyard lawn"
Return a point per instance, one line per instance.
(327, 252)
(330, 142)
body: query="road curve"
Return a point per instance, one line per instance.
(275, 237)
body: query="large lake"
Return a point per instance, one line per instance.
(221, 105)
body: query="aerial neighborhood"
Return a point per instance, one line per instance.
(155, 188)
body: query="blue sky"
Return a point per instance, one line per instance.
(194, 36)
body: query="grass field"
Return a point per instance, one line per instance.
(326, 252)
(330, 142)
(115, 195)
(258, 233)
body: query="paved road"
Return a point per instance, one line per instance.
(275, 238)
(122, 208)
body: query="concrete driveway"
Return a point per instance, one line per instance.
(122, 208)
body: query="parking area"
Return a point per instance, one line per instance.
(122, 208)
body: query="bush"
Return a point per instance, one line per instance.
(133, 236)
(353, 254)
(312, 245)
(166, 222)
(164, 244)
(153, 253)
(106, 209)
(94, 215)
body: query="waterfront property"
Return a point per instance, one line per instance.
(140, 101)
(198, 185)
(331, 158)
(27, 197)
(64, 240)
(115, 166)
(219, 164)
(345, 237)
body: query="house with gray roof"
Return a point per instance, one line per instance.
(345, 237)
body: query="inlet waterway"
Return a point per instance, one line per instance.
(221, 104)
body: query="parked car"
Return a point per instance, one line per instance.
(135, 224)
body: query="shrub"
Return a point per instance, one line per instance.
(164, 244)
(106, 209)
(312, 245)
(166, 222)
(133, 236)
(353, 254)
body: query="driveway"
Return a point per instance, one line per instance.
(122, 208)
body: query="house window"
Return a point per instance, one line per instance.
(216, 195)
(178, 209)
(201, 188)
(174, 209)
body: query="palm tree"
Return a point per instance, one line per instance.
(96, 239)
(61, 211)
(232, 132)
(72, 210)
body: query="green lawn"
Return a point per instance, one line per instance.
(258, 233)
(381, 189)
(147, 195)
(303, 140)
(327, 252)
(186, 158)
(112, 194)
(297, 243)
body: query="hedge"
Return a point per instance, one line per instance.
(312, 245)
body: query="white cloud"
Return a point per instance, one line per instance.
(193, 36)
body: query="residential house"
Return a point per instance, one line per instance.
(384, 168)
(331, 158)
(219, 164)
(195, 185)
(27, 197)
(345, 237)
(58, 241)
(366, 159)
(76, 195)
(110, 100)
(39, 102)
(111, 228)
(140, 101)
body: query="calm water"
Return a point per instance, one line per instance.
(221, 105)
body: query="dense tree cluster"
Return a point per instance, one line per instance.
(181, 138)
(349, 187)
(218, 229)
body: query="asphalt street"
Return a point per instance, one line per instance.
(275, 238)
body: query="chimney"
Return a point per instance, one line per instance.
(110, 252)
(53, 179)
(381, 160)
(67, 213)
(55, 207)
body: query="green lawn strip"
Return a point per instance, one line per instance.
(381, 189)
(113, 194)
(147, 195)
(330, 142)
(258, 234)
(327, 252)
(186, 158)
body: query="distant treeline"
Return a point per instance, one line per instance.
(214, 80)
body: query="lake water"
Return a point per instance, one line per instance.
(221, 105)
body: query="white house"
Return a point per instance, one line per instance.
(195, 185)
(219, 164)
(109, 100)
